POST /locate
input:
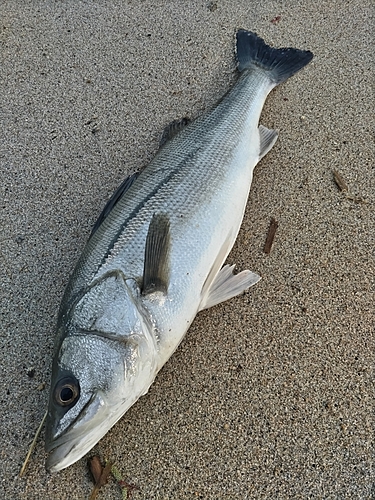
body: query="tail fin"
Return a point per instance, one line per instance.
(252, 51)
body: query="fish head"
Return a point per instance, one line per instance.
(95, 379)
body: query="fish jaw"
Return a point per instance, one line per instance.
(69, 447)
(76, 442)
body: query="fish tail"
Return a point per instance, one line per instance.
(253, 52)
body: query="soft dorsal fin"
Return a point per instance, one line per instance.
(173, 129)
(124, 186)
(227, 285)
(156, 273)
(267, 138)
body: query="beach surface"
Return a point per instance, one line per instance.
(270, 395)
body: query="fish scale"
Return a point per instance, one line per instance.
(205, 166)
(155, 257)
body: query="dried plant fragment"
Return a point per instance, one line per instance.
(126, 488)
(340, 181)
(343, 187)
(96, 468)
(99, 474)
(32, 446)
(271, 235)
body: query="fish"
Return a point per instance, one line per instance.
(156, 257)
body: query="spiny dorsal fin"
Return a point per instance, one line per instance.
(173, 129)
(155, 273)
(124, 186)
(267, 137)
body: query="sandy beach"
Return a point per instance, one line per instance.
(270, 395)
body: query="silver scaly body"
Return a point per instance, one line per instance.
(176, 223)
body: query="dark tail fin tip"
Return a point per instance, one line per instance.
(281, 63)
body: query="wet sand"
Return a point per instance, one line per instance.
(270, 395)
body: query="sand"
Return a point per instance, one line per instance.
(271, 394)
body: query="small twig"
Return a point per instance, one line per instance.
(271, 235)
(343, 187)
(341, 184)
(356, 199)
(32, 446)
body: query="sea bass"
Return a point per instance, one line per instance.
(155, 257)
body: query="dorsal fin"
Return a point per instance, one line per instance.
(124, 186)
(173, 129)
(155, 273)
(267, 138)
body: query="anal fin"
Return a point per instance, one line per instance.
(227, 285)
(155, 272)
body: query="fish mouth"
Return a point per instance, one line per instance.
(68, 447)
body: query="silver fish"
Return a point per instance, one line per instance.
(155, 257)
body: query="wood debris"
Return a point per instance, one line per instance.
(343, 187)
(99, 474)
(271, 235)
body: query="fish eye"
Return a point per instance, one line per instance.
(67, 391)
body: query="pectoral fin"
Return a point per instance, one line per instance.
(227, 285)
(155, 273)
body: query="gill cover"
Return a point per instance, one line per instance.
(105, 362)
